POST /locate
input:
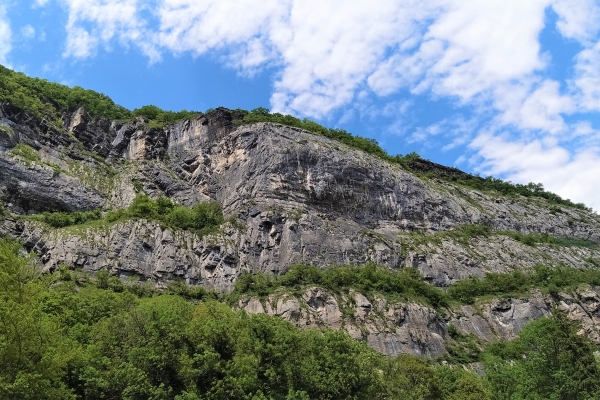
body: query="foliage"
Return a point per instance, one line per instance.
(463, 349)
(160, 117)
(3, 210)
(64, 338)
(63, 219)
(48, 99)
(63, 341)
(180, 288)
(33, 355)
(407, 283)
(550, 360)
(201, 218)
(519, 282)
(368, 279)
(26, 152)
(456, 384)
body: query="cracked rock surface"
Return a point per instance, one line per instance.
(291, 197)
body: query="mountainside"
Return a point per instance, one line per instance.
(290, 196)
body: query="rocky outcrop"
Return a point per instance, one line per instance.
(394, 328)
(290, 197)
(298, 198)
(28, 188)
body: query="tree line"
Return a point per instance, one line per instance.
(67, 335)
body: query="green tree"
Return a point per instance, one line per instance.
(33, 355)
(550, 360)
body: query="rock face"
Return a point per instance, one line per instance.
(295, 197)
(394, 328)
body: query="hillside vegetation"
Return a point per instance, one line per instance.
(49, 100)
(407, 284)
(65, 336)
(201, 218)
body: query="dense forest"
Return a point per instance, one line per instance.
(69, 335)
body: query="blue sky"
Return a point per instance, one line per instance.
(503, 87)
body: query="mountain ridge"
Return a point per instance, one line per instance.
(290, 196)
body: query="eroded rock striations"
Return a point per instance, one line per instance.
(295, 197)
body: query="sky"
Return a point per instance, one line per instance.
(508, 88)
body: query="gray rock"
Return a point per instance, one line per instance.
(296, 197)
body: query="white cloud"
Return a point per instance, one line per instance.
(328, 50)
(28, 32)
(587, 78)
(40, 3)
(80, 43)
(486, 43)
(96, 22)
(533, 105)
(5, 36)
(578, 19)
(572, 176)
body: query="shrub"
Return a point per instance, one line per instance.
(161, 117)
(164, 206)
(102, 279)
(26, 152)
(519, 282)
(143, 207)
(115, 215)
(115, 284)
(368, 279)
(63, 219)
(201, 218)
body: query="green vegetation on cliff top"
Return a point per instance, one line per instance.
(49, 100)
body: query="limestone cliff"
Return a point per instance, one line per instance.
(292, 197)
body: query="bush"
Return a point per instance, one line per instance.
(116, 215)
(115, 284)
(520, 282)
(62, 219)
(161, 117)
(201, 218)
(49, 99)
(143, 207)
(368, 279)
(102, 279)
(550, 360)
(26, 152)
(180, 288)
